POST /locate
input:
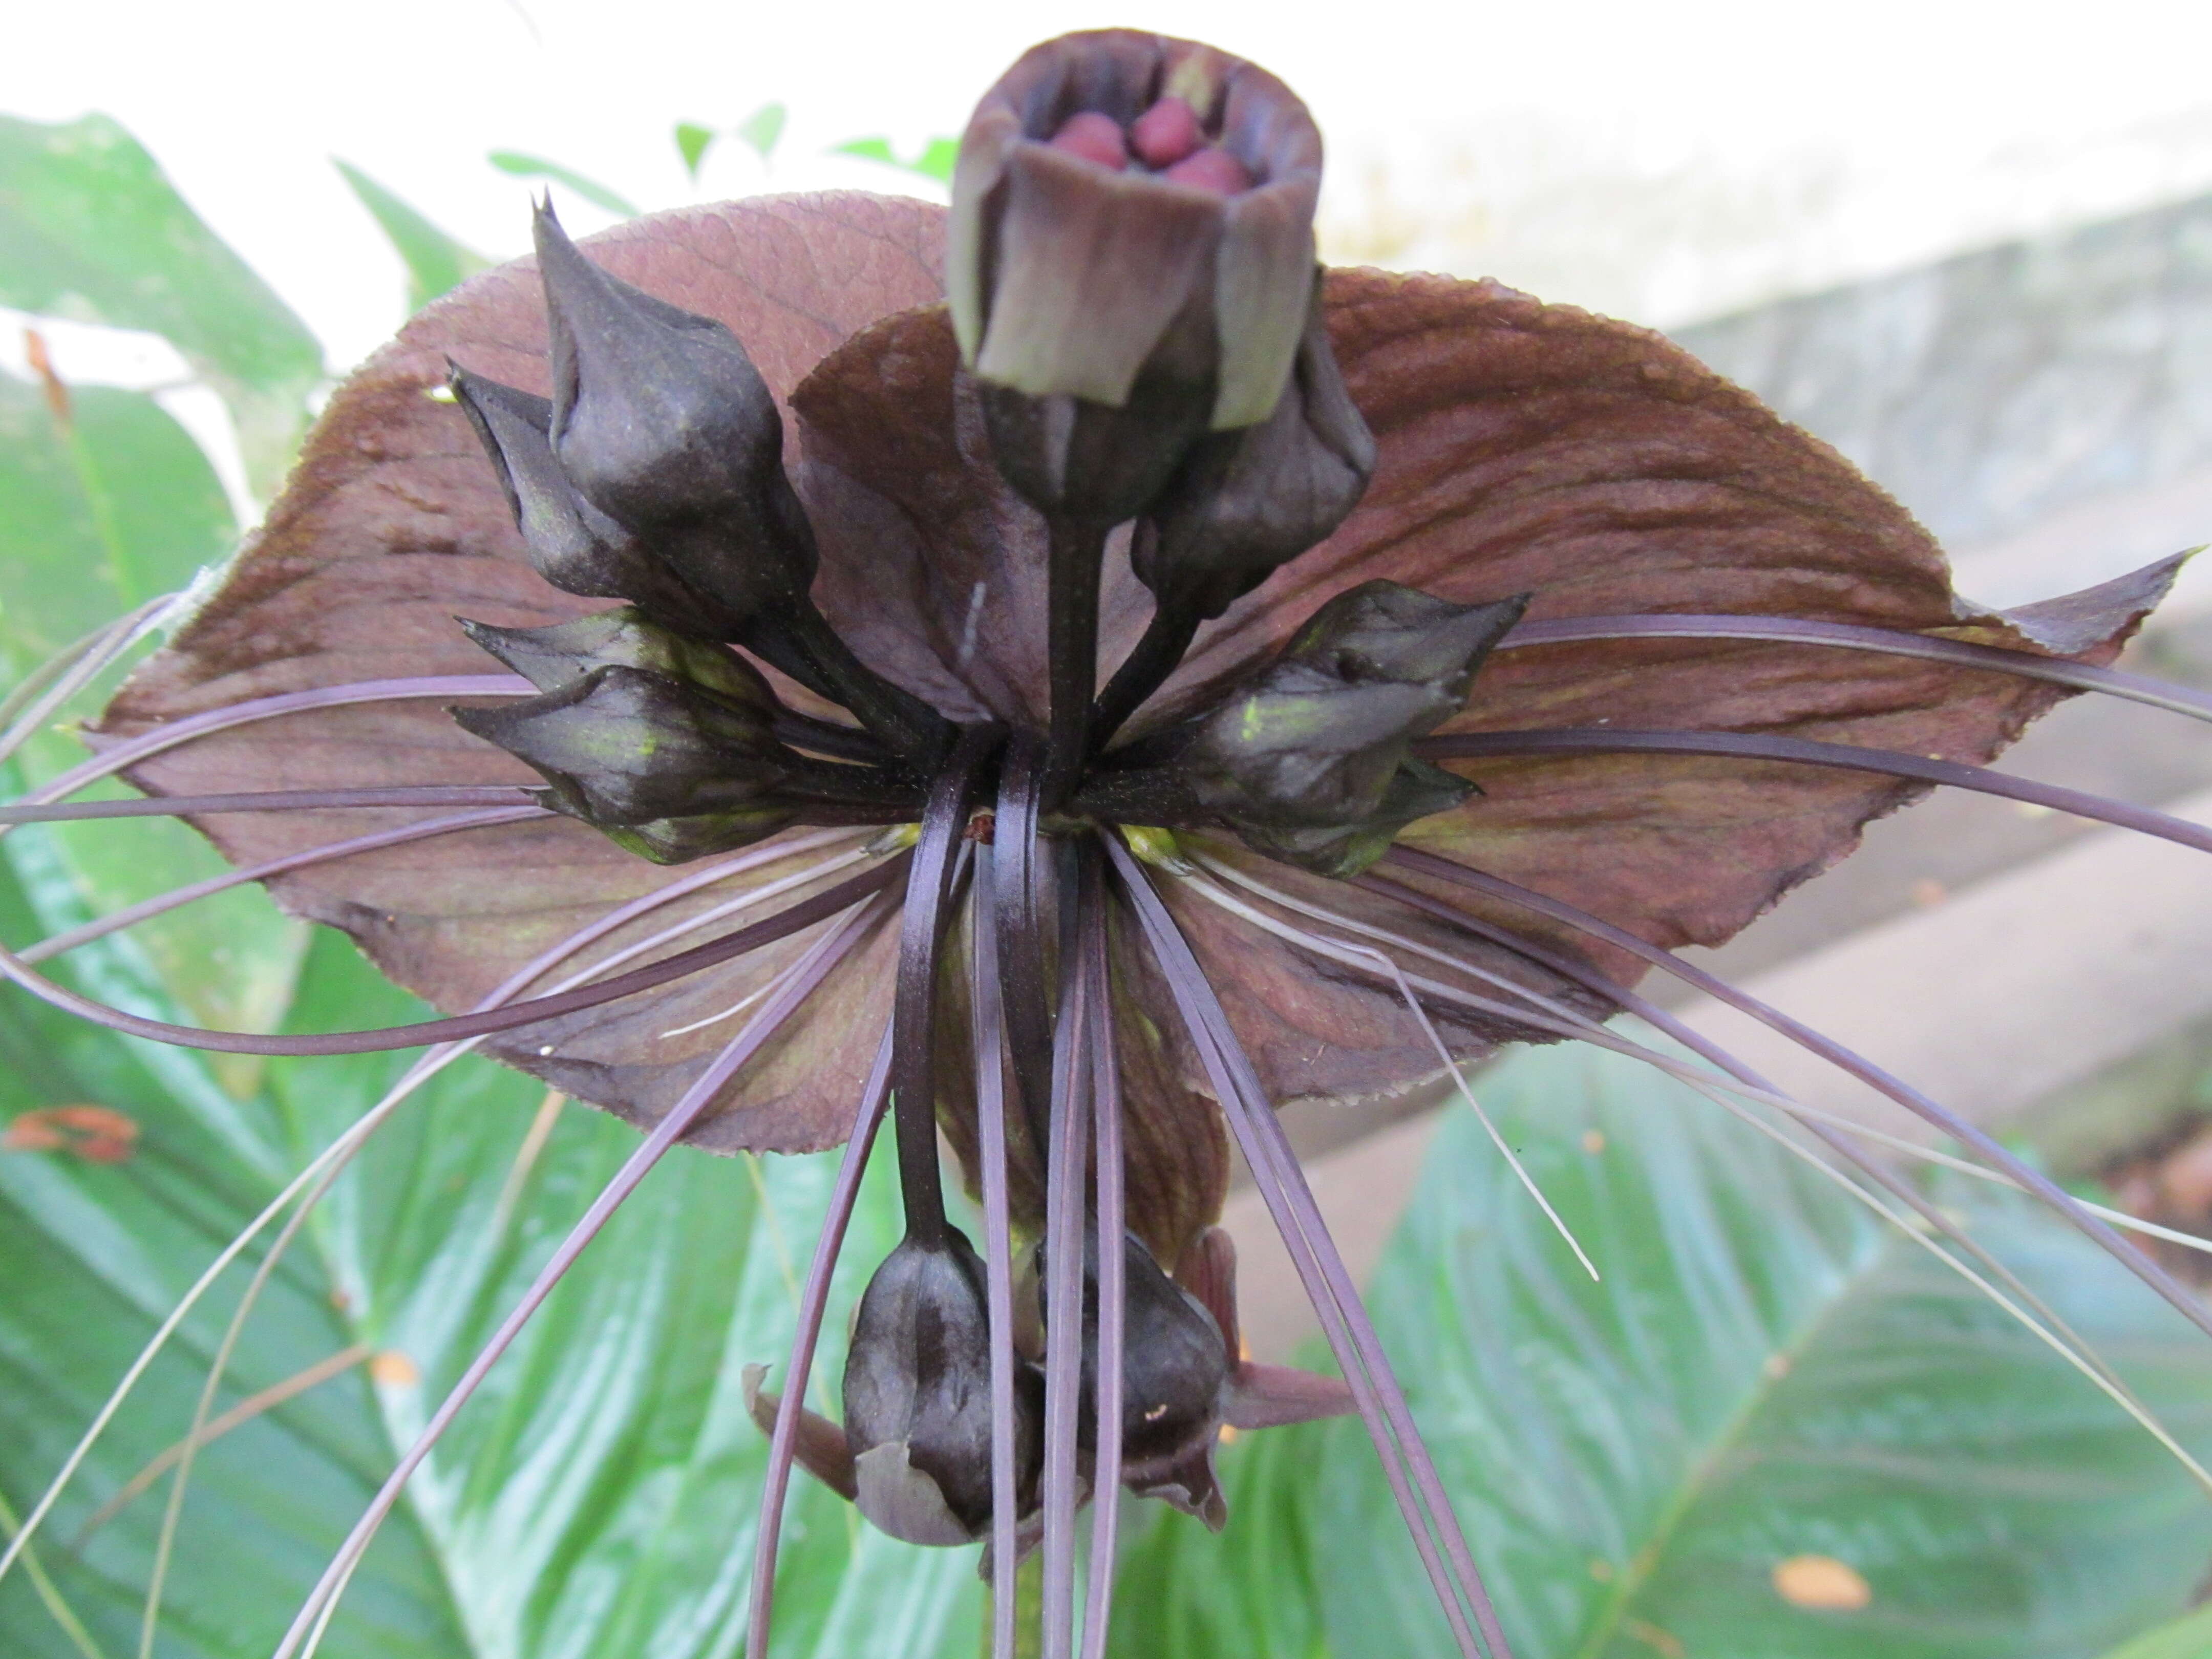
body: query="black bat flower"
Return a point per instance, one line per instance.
(1166, 681)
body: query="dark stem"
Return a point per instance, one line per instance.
(1076, 550)
(1066, 1208)
(813, 1299)
(1866, 1072)
(782, 924)
(276, 800)
(1313, 1252)
(990, 1034)
(1020, 928)
(914, 1040)
(1583, 740)
(819, 737)
(800, 641)
(1113, 1288)
(1145, 670)
(1799, 630)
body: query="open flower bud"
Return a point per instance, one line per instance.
(659, 420)
(1247, 501)
(1307, 760)
(1113, 309)
(918, 1398)
(574, 545)
(554, 658)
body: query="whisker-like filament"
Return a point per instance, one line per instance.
(1405, 991)
(803, 913)
(1413, 1481)
(61, 677)
(1755, 1086)
(813, 1301)
(1942, 1117)
(989, 1014)
(237, 1416)
(1851, 636)
(161, 903)
(1113, 1285)
(799, 980)
(129, 751)
(1751, 745)
(1066, 1153)
(424, 1068)
(275, 800)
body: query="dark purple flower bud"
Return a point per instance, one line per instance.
(1174, 1363)
(1308, 759)
(551, 659)
(574, 545)
(650, 760)
(1245, 501)
(918, 1398)
(660, 420)
(1111, 312)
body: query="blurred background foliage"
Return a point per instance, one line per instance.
(1775, 1430)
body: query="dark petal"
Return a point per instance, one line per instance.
(393, 523)
(1254, 1395)
(820, 1447)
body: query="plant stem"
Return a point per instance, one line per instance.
(1077, 548)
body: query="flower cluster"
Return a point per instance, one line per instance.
(1125, 676)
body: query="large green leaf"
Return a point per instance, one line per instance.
(435, 261)
(106, 502)
(90, 229)
(597, 1500)
(1764, 1377)
(2189, 1638)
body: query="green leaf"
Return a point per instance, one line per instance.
(691, 143)
(91, 230)
(596, 1500)
(103, 503)
(533, 167)
(435, 261)
(938, 158)
(762, 127)
(1765, 1374)
(2184, 1638)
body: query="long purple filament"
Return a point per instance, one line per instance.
(1113, 1285)
(1846, 1059)
(989, 1021)
(800, 982)
(1065, 1208)
(170, 733)
(813, 1300)
(1581, 740)
(804, 914)
(176, 897)
(1799, 630)
(1313, 1252)
(275, 800)
(1665, 1022)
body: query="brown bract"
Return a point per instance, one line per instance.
(1521, 448)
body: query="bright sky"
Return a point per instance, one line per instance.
(1659, 160)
